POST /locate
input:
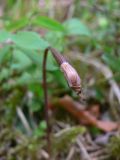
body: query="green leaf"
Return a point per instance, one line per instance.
(38, 59)
(48, 23)
(15, 25)
(34, 56)
(58, 41)
(4, 35)
(76, 27)
(29, 40)
(21, 61)
(112, 61)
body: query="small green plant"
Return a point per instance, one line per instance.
(25, 50)
(24, 36)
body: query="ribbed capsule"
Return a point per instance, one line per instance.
(70, 73)
(71, 76)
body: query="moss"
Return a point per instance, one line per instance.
(114, 147)
(66, 138)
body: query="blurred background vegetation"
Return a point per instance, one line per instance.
(87, 32)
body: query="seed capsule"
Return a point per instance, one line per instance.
(70, 73)
(71, 76)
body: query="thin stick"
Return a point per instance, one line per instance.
(24, 120)
(46, 102)
(84, 154)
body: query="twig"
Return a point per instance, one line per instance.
(24, 120)
(101, 154)
(84, 154)
(71, 153)
(46, 101)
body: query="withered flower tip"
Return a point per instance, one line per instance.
(71, 76)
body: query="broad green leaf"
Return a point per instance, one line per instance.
(48, 23)
(15, 25)
(112, 61)
(29, 40)
(58, 41)
(37, 59)
(21, 61)
(76, 27)
(4, 35)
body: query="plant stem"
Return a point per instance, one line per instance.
(72, 78)
(60, 59)
(46, 102)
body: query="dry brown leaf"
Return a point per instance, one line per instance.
(107, 126)
(85, 116)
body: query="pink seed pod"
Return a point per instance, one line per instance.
(71, 76)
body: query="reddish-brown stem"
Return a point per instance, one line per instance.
(60, 59)
(72, 78)
(46, 102)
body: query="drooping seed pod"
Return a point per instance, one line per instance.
(70, 73)
(71, 76)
